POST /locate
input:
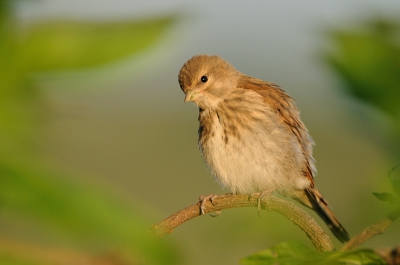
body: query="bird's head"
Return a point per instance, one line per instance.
(206, 80)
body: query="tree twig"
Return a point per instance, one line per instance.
(372, 230)
(288, 209)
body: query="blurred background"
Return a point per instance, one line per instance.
(96, 143)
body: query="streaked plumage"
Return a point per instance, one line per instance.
(251, 136)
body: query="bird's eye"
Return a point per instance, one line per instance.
(204, 79)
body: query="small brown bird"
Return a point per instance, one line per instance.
(251, 136)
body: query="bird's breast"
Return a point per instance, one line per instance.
(249, 154)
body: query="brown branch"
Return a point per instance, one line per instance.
(372, 230)
(288, 209)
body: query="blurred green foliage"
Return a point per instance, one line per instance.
(70, 45)
(369, 61)
(391, 198)
(367, 58)
(91, 220)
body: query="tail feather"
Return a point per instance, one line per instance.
(321, 206)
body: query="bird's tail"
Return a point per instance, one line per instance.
(313, 199)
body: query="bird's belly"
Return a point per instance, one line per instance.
(254, 161)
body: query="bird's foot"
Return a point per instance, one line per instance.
(263, 194)
(204, 199)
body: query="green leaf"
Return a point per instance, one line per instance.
(394, 181)
(294, 253)
(285, 253)
(359, 256)
(394, 214)
(386, 197)
(368, 60)
(63, 45)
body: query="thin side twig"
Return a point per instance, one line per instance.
(298, 216)
(372, 230)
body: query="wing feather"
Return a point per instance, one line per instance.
(284, 105)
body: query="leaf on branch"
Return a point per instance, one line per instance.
(359, 256)
(394, 181)
(394, 214)
(386, 197)
(292, 252)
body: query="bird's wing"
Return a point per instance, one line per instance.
(284, 106)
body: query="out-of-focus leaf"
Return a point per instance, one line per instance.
(78, 213)
(358, 256)
(369, 60)
(58, 46)
(294, 253)
(285, 253)
(394, 181)
(69, 45)
(394, 214)
(386, 197)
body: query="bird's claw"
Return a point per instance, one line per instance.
(263, 194)
(204, 199)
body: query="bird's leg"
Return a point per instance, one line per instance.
(264, 193)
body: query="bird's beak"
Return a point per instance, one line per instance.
(191, 95)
